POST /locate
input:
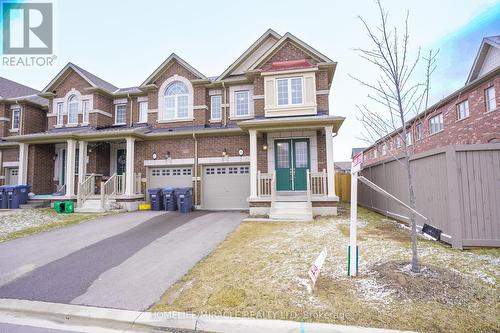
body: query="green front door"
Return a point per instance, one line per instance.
(291, 164)
(121, 158)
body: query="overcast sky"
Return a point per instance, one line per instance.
(124, 41)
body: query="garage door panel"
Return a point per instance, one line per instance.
(170, 177)
(226, 187)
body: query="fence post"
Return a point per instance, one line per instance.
(454, 211)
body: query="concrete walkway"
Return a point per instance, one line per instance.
(123, 261)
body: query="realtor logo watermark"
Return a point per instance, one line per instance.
(27, 31)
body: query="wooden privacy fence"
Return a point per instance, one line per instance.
(343, 186)
(457, 188)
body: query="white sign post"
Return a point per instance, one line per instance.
(316, 266)
(356, 166)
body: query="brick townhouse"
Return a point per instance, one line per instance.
(259, 136)
(469, 115)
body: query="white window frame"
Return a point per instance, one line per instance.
(85, 111)
(143, 112)
(384, 149)
(289, 91)
(219, 97)
(488, 100)
(463, 110)
(398, 142)
(124, 114)
(162, 98)
(60, 113)
(419, 135)
(438, 116)
(409, 137)
(77, 109)
(18, 112)
(236, 103)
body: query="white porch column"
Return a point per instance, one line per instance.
(82, 161)
(330, 169)
(129, 167)
(22, 178)
(253, 164)
(70, 168)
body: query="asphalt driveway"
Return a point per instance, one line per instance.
(122, 261)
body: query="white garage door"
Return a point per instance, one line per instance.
(170, 177)
(226, 187)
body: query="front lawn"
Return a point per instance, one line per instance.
(24, 222)
(260, 270)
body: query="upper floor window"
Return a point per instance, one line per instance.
(16, 116)
(375, 153)
(436, 124)
(289, 91)
(120, 114)
(398, 142)
(409, 137)
(242, 98)
(384, 149)
(143, 112)
(85, 110)
(491, 103)
(176, 101)
(215, 107)
(463, 110)
(419, 131)
(60, 113)
(73, 105)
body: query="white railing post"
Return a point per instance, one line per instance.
(308, 186)
(324, 191)
(273, 187)
(259, 192)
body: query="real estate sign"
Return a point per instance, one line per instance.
(316, 266)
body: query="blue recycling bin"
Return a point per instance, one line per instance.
(4, 202)
(155, 198)
(184, 199)
(169, 200)
(12, 196)
(23, 191)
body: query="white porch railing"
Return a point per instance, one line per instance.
(120, 184)
(85, 190)
(318, 183)
(115, 185)
(308, 187)
(264, 184)
(108, 188)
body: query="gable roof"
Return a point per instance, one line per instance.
(11, 89)
(488, 44)
(270, 33)
(318, 56)
(168, 61)
(92, 79)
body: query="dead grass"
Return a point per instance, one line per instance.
(260, 270)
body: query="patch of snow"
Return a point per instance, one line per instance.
(372, 291)
(483, 276)
(20, 219)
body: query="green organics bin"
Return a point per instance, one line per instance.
(59, 206)
(69, 207)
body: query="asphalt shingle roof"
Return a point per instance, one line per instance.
(11, 89)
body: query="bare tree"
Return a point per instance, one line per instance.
(396, 95)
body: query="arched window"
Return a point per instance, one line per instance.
(73, 106)
(176, 101)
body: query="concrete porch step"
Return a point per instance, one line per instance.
(291, 210)
(90, 206)
(35, 203)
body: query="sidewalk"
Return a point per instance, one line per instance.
(113, 319)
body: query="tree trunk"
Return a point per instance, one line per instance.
(415, 267)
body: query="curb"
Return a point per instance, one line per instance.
(124, 319)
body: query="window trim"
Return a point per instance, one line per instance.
(458, 110)
(85, 111)
(116, 114)
(18, 111)
(417, 125)
(60, 113)
(162, 98)
(77, 110)
(212, 118)
(409, 133)
(430, 125)
(486, 100)
(143, 121)
(289, 91)
(249, 113)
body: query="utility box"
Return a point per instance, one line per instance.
(184, 199)
(169, 200)
(155, 198)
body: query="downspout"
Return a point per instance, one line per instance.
(195, 170)
(131, 122)
(224, 122)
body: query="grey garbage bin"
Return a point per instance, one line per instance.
(4, 201)
(184, 199)
(155, 198)
(169, 200)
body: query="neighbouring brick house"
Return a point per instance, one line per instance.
(469, 115)
(258, 137)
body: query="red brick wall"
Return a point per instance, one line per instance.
(321, 146)
(34, 119)
(41, 168)
(289, 52)
(479, 127)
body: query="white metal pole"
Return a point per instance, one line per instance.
(353, 227)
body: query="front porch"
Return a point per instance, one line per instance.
(291, 167)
